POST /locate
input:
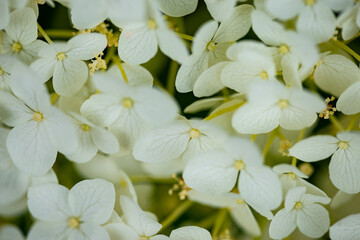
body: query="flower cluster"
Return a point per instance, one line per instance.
(275, 82)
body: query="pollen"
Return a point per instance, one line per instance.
(283, 103)
(283, 49)
(240, 201)
(343, 145)
(16, 47)
(152, 24)
(194, 133)
(264, 75)
(85, 127)
(211, 46)
(97, 63)
(310, 2)
(74, 222)
(61, 56)
(298, 205)
(239, 165)
(38, 117)
(127, 103)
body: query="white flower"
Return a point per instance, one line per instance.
(136, 224)
(65, 62)
(218, 171)
(139, 40)
(344, 166)
(190, 233)
(91, 139)
(210, 44)
(11, 232)
(40, 130)
(347, 228)
(127, 111)
(20, 37)
(295, 55)
(303, 211)
(334, 73)
(220, 10)
(315, 18)
(349, 21)
(136, 74)
(349, 100)
(74, 214)
(7, 65)
(239, 209)
(181, 139)
(5, 6)
(271, 104)
(176, 8)
(291, 176)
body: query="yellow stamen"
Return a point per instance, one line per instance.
(16, 47)
(38, 117)
(298, 205)
(264, 75)
(74, 222)
(343, 145)
(239, 165)
(152, 24)
(240, 201)
(283, 49)
(283, 103)
(127, 102)
(85, 127)
(291, 175)
(61, 56)
(211, 46)
(310, 2)
(194, 133)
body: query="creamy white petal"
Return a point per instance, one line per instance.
(90, 231)
(121, 231)
(220, 10)
(269, 31)
(284, 10)
(190, 233)
(296, 119)
(87, 14)
(104, 140)
(347, 228)
(45, 67)
(92, 200)
(172, 45)
(4, 14)
(22, 26)
(349, 101)
(203, 104)
(245, 219)
(48, 230)
(86, 149)
(177, 8)
(203, 36)
(340, 199)
(13, 183)
(86, 46)
(211, 172)
(313, 220)
(283, 224)
(136, 74)
(10, 232)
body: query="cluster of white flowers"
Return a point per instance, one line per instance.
(83, 114)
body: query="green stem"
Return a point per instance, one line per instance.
(56, 33)
(117, 61)
(352, 122)
(170, 86)
(185, 36)
(346, 48)
(44, 34)
(336, 123)
(269, 143)
(110, 54)
(176, 214)
(219, 222)
(223, 111)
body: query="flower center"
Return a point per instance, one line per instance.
(38, 117)
(343, 145)
(211, 46)
(310, 2)
(85, 127)
(240, 201)
(283, 103)
(152, 24)
(194, 133)
(74, 222)
(144, 238)
(283, 49)
(264, 75)
(298, 205)
(291, 175)
(61, 56)
(239, 165)
(16, 47)
(127, 103)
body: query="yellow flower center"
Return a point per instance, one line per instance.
(38, 117)
(298, 205)
(123, 183)
(211, 46)
(283, 103)
(319, 62)
(152, 24)
(310, 2)
(239, 165)
(194, 133)
(144, 238)
(85, 127)
(283, 49)
(240, 201)
(61, 56)
(127, 103)
(291, 175)
(74, 222)
(16, 47)
(264, 75)
(343, 145)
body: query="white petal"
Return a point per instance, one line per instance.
(4, 14)
(252, 119)
(92, 200)
(236, 26)
(13, 183)
(86, 46)
(349, 101)
(313, 220)
(90, 231)
(86, 149)
(295, 118)
(137, 75)
(10, 232)
(306, 101)
(347, 228)
(340, 199)
(87, 14)
(31, 148)
(163, 144)
(172, 45)
(244, 218)
(203, 104)
(335, 74)
(121, 231)
(104, 140)
(12, 110)
(190, 233)
(203, 36)
(220, 10)
(269, 31)
(283, 224)
(45, 67)
(317, 22)
(69, 76)
(344, 170)
(137, 218)
(49, 202)
(47, 230)
(260, 186)
(209, 82)
(22, 26)
(177, 8)
(137, 46)
(314, 148)
(211, 172)
(284, 10)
